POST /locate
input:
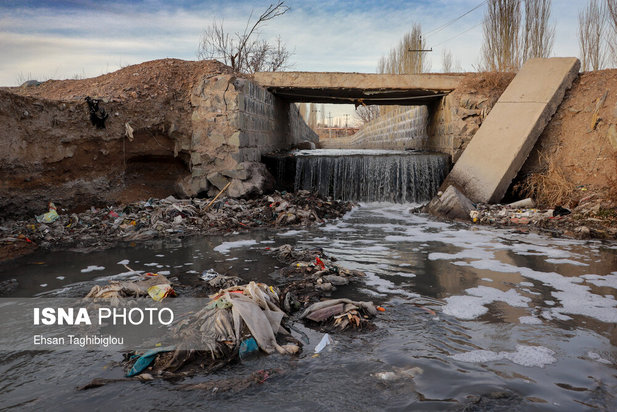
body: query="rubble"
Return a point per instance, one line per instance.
(173, 218)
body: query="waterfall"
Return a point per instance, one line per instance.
(371, 175)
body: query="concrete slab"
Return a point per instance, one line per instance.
(361, 88)
(501, 145)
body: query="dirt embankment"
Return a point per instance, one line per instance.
(49, 150)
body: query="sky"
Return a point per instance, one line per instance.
(61, 39)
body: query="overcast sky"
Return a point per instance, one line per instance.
(65, 38)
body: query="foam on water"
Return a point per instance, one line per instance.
(92, 268)
(226, 247)
(472, 306)
(529, 356)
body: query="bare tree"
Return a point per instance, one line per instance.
(407, 57)
(611, 6)
(591, 30)
(502, 22)
(312, 116)
(367, 113)
(538, 34)
(303, 109)
(245, 52)
(447, 61)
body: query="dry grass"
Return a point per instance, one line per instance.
(550, 187)
(488, 83)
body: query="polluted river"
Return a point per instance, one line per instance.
(475, 318)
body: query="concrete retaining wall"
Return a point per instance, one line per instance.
(399, 128)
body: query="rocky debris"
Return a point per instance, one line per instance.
(451, 204)
(174, 218)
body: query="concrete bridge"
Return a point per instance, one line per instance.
(358, 88)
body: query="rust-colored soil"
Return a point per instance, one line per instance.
(146, 80)
(574, 158)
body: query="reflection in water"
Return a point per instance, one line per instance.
(525, 316)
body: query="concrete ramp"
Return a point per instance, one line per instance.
(501, 145)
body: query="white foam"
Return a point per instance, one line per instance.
(124, 262)
(602, 281)
(566, 262)
(405, 274)
(470, 307)
(60, 277)
(164, 272)
(288, 233)
(349, 152)
(92, 269)
(159, 255)
(530, 320)
(529, 356)
(598, 358)
(151, 264)
(225, 247)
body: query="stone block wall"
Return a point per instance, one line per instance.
(399, 128)
(235, 121)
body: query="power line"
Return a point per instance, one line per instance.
(440, 28)
(458, 35)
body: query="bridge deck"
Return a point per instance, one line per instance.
(358, 88)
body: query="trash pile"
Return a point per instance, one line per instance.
(171, 217)
(308, 276)
(154, 285)
(587, 220)
(341, 313)
(241, 320)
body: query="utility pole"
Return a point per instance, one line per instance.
(346, 123)
(330, 124)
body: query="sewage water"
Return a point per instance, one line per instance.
(493, 319)
(371, 175)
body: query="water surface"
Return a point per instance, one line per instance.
(527, 317)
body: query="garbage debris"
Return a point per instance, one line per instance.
(592, 218)
(561, 211)
(341, 313)
(151, 284)
(310, 274)
(240, 320)
(247, 347)
(399, 373)
(173, 218)
(146, 359)
(234, 384)
(50, 216)
(325, 341)
(98, 115)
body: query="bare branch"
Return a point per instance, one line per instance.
(244, 51)
(591, 26)
(611, 6)
(502, 21)
(538, 34)
(367, 113)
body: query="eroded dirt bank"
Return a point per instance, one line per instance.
(50, 150)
